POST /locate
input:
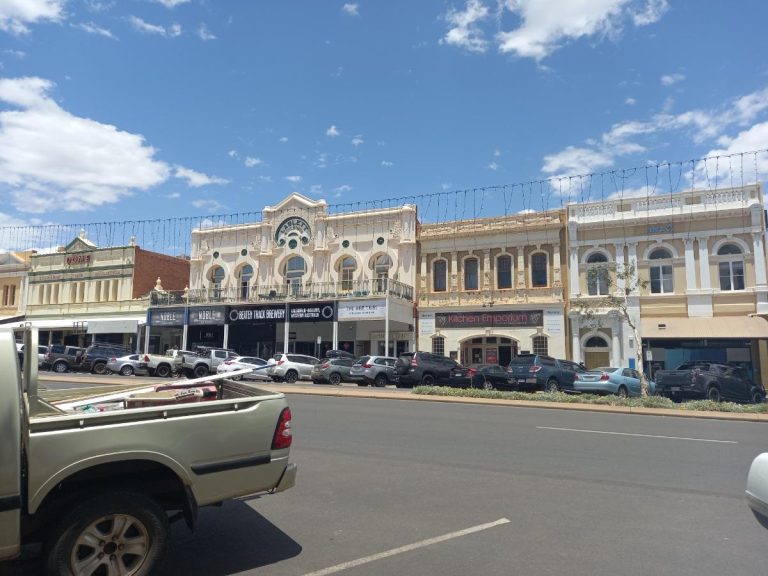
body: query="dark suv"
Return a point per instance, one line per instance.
(538, 372)
(61, 358)
(414, 368)
(96, 356)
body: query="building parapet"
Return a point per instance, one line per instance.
(492, 297)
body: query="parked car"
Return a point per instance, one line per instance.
(333, 370)
(376, 370)
(539, 372)
(95, 357)
(486, 376)
(41, 352)
(757, 488)
(291, 367)
(611, 380)
(128, 365)
(258, 365)
(204, 361)
(424, 368)
(339, 354)
(708, 380)
(61, 358)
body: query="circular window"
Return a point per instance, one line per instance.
(216, 254)
(345, 243)
(243, 252)
(292, 243)
(380, 240)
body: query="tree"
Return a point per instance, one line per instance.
(616, 293)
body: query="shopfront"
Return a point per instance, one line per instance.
(253, 329)
(166, 329)
(205, 326)
(311, 328)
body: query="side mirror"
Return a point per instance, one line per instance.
(757, 489)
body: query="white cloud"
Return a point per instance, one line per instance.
(233, 154)
(15, 15)
(316, 189)
(351, 9)
(574, 160)
(51, 160)
(340, 190)
(250, 161)
(357, 140)
(92, 28)
(332, 132)
(171, 3)
(630, 101)
(17, 53)
(283, 139)
(464, 30)
(207, 204)
(387, 164)
(496, 153)
(748, 140)
(652, 13)
(174, 195)
(294, 179)
(670, 79)
(171, 32)
(197, 179)
(493, 166)
(204, 33)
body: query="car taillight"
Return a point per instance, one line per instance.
(414, 362)
(146, 358)
(48, 356)
(279, 362)
(471, 372)
(534, 369)
(113, 359)
(604, 377)
(366, 365)
(326, 365)
(283, 435)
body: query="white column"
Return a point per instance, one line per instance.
(690, 265)
(616, 344)
(286, 329)
(521, 267)
(335, 334)
(558, 278)
(226, 336)
(620, 267)
(573, 272)
(146, 339)
(386, 324)
(706, 283)
(759, 253)
(184, 337)
(575, 339)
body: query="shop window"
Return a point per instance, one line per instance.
(597, 274)
(438, 345)
(245, 276)
(381, 267)
(216, 278)
(539, 274)
(295, 269)
(661, 272)
(504, 272)
(731, 268)
(347, 268)
(439, 282)
(541, 345)
(471, 279)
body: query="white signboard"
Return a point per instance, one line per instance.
(426, 323)
(362, 310)
(553, 322)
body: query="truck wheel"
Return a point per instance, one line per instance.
(551, 386)
(757, 397)
(99, 368)
(427, 380)
(623, 392)
(163, 371)
(111, 533)
(713, 394)
(487, 384)
(201, 371)
(189, 373)
(381, 380)
(60, 367)
(335, 378)
(291, 376)
(126, 371)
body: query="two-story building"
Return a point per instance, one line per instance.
(698, 266)
(14, 268)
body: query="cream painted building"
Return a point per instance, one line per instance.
(14, 269)
(701, 259)
(492, 288)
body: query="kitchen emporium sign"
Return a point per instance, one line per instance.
(166, 317)
(255, 314)
(207, 315)
(362, 310)
(516, 319)
(312, 312)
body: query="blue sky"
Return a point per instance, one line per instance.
(135, 109)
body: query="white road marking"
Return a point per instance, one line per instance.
(638, 435)
(407, 548)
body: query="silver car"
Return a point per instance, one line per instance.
(291, 367)
(376, 370)
(128, 365)
(242, 363)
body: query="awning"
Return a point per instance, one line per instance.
(11, 319)
(719, 327)
(81, 322)
(112, 326)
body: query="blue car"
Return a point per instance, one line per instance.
(609, 380)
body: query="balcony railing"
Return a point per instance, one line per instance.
(376, 288)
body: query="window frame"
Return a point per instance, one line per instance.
(468, 277)
(499, 258)
(444, 263)
(532, 275)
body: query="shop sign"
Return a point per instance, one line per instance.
(491, 355)
(553, 322)
(427, 323)
(166, 316)
(255, 314)
(661, 229)
(206, 315)
(362, 310)
(312, 312)
(515, 319)
(78, 259)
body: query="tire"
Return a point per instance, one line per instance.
(713, 394)
(381, 380)
(757, 397)
(60, 367)
(200, 371)
(126, 371)
(552, 386)
(335, 378)
(98, 534)
(291, 376)
(427, 380)
(99, 368)
(623, 392)
(189, 373)
(163, 371)
(487, 385)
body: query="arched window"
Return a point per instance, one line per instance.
(539, 274)
(661, 272)
(731, 267)
(471, 274)
(295, 269)
(541, 345)
(596, 342)
(381, 267)
(504, 272)
(216, 278)
(347, 267)
(438, 345)
(244, 279)
(439, 282)
(597, 274)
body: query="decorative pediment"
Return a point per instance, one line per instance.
(296, 201)
(80, 244)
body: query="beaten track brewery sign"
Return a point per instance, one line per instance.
(255, 314)
(516, 319)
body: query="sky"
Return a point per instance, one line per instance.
(138, 109)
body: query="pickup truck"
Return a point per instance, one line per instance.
(205, 361)
(162, 365)
(708, 380)
(97, 479)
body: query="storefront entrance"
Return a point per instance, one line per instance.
(596, 353)
(488, 350)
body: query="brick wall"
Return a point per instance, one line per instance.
(173, 272)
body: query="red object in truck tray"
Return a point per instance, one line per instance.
(166, 397)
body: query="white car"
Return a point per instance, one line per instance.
(242, 363)
(128, 365)
(757, 488)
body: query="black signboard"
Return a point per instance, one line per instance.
(207, 315)
(255, 314)
(312, 312)
(166, 316)
(499, 319)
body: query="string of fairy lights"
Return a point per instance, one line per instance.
(528, 199)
